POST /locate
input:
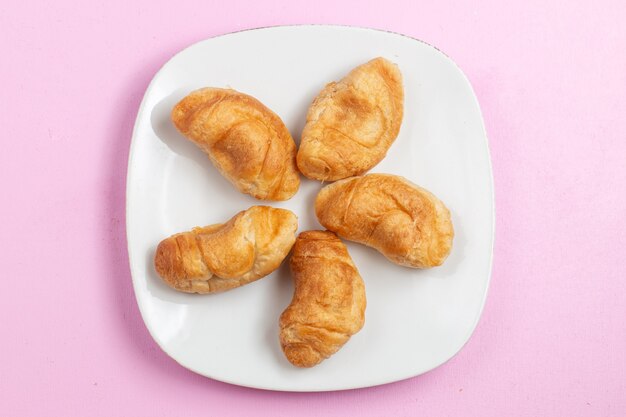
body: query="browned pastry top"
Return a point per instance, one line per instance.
(328, 304)
(352, 123)
(223, 256)
(246, 141)
(406, 223)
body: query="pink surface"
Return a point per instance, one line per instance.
(551, 80)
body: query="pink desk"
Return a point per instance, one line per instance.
(551, 80)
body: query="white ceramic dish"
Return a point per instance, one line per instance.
(415, 320)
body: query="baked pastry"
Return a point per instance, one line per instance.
(404, 222)
(328, 304)
(352, 123)
(246, 141)
(223, 256)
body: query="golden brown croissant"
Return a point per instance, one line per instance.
(328, 304)
(404, 222)
(246, 141)
(352, 123)
(223, 256)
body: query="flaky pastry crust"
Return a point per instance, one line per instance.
(246, 141)
(223, 256)
(403, 221)
(328, 305)
(352, 123)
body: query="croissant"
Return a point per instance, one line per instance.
(352, 123)
(328, 304)
(223, 256)
(404, 222)
(246, 141)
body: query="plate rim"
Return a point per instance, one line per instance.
(131, 257)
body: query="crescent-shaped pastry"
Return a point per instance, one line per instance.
(352, 123)
(223, 256)
(406, 223)
(328, 304)
(246, 141)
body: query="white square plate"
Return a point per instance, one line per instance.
(415, 319)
